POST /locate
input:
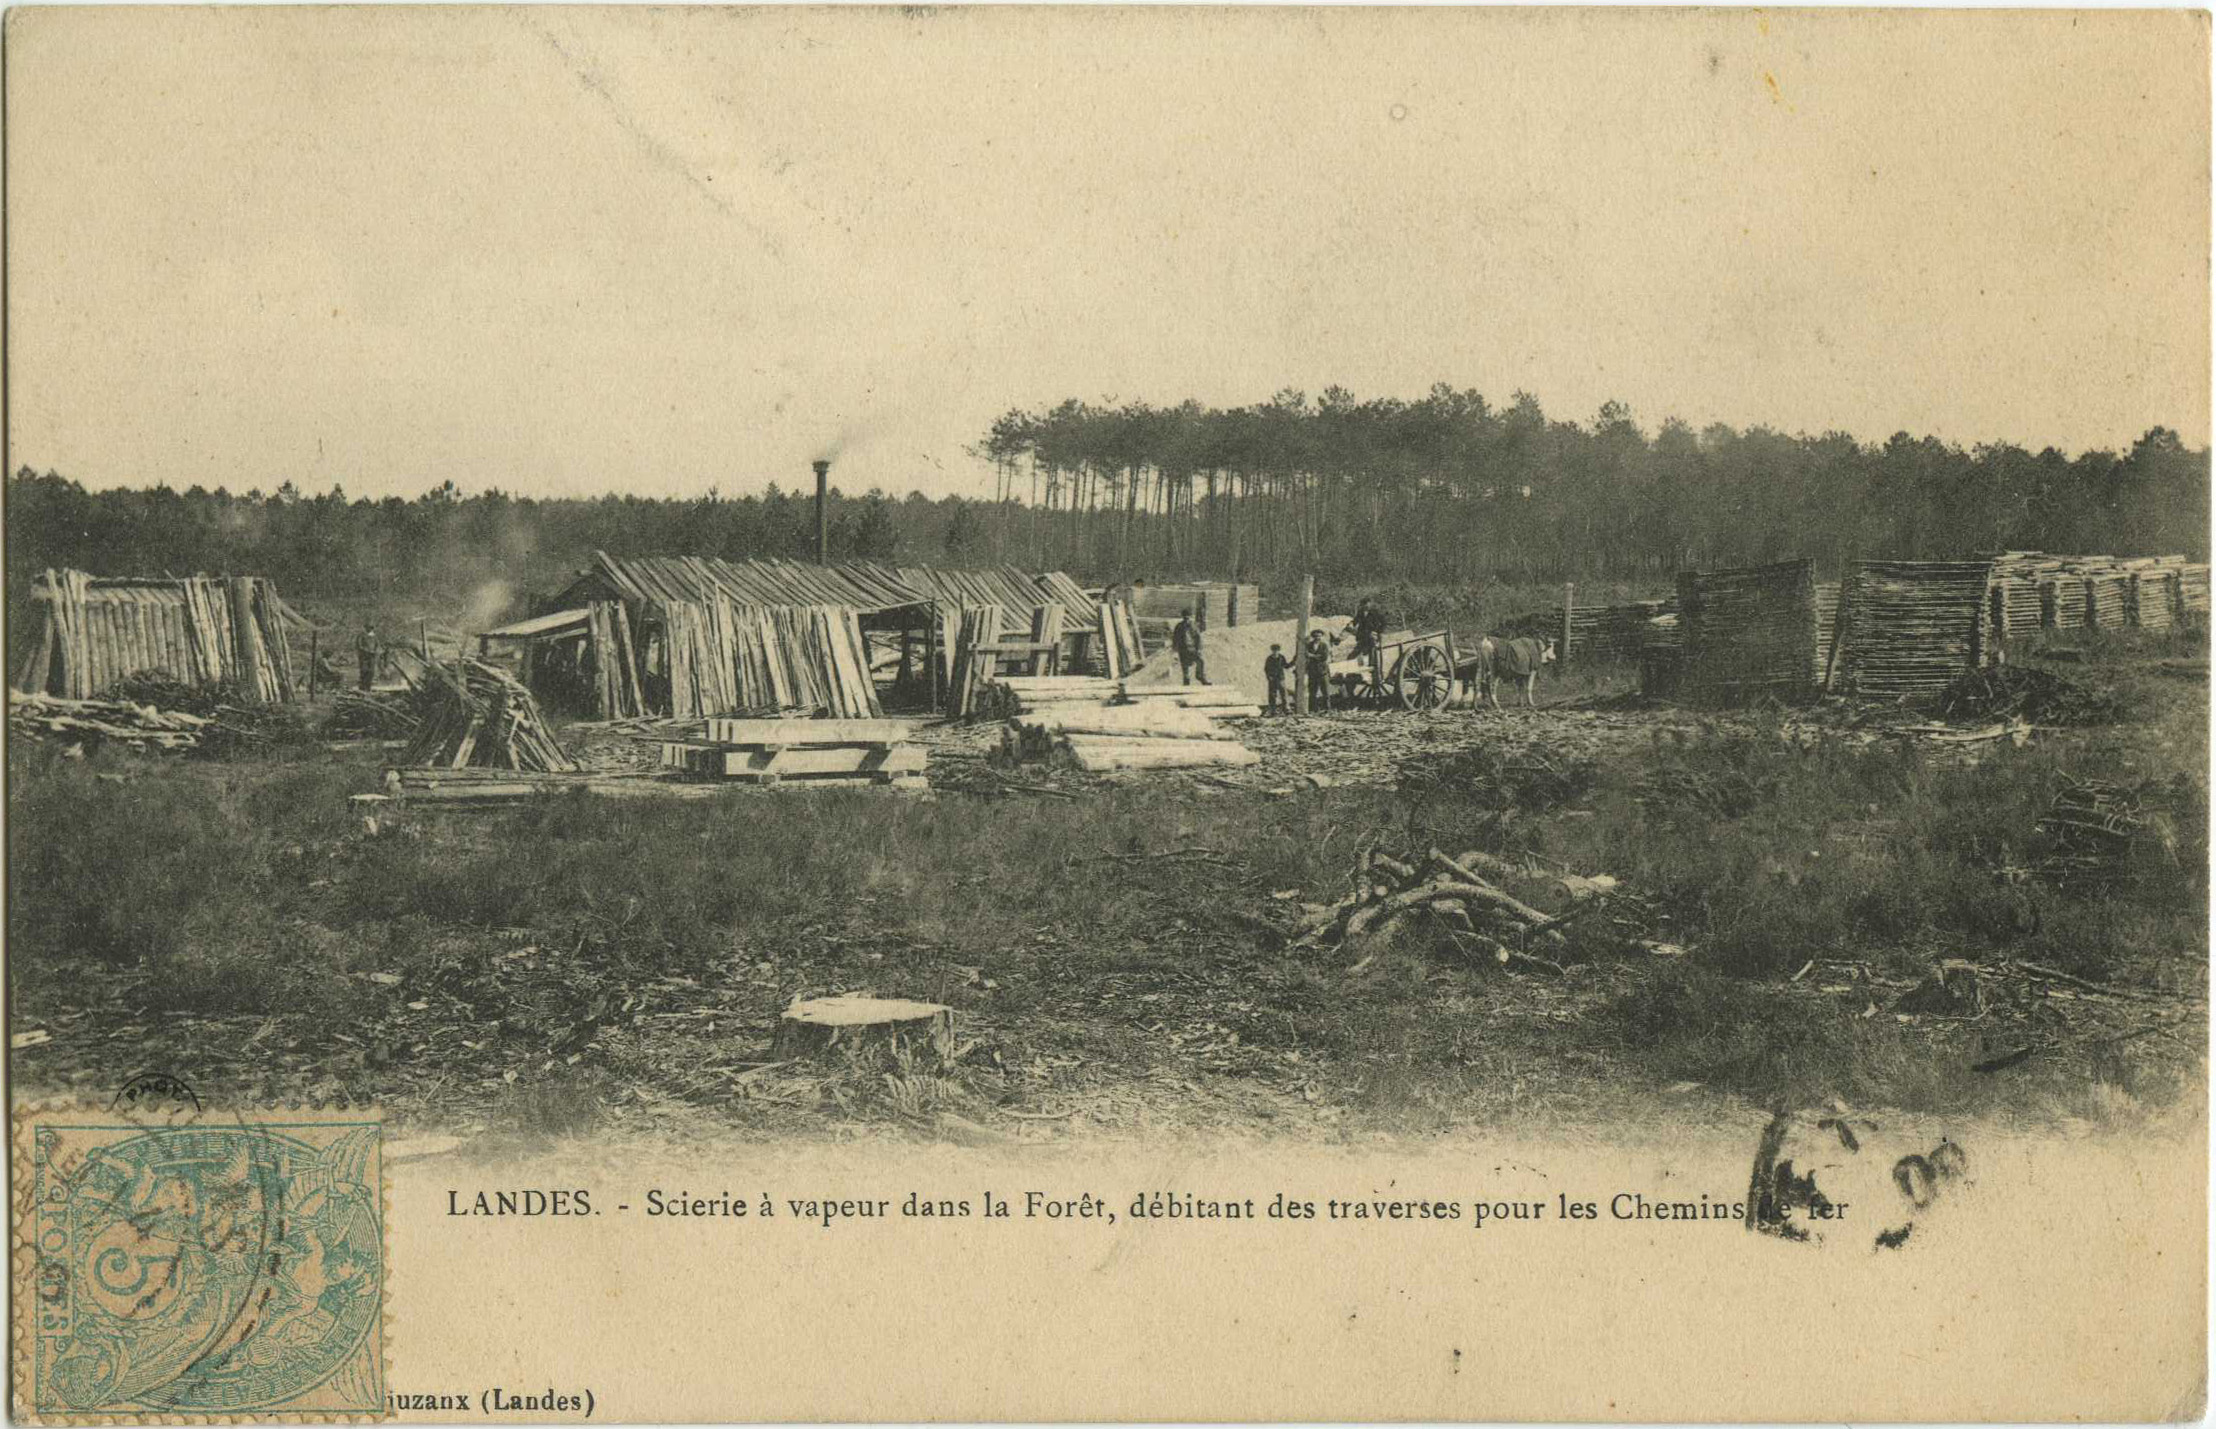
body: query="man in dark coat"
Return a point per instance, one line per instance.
(1518, 659)
(1185, 640)
(1318, 655)
(369, 654)
(1274, 671)
(1369, 628)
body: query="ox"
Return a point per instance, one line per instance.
(1518, 659)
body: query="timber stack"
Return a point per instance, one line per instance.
(1015, 695)
(811, 753)
(1214, 701)
(480, 717)
(1121, 648)
(1749, 632)
(1909, 629)
(1606, 632)
(2193, 590)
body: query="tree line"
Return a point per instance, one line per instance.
(1451, 488)
(1445, 490)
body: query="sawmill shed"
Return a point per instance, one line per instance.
(692, 635)
(215, 632)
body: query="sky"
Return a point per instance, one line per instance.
(570, 251)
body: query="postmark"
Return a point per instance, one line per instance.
(176, 1262)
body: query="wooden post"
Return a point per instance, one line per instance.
(423, 637)
(931, 654)
(1569, 602)
(311, 666)
(1300, 645)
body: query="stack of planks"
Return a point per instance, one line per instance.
(1912, 628)
(1748, 632)
(976, 660)
(480, 717)
(1607, 632)
(617, 693)
(1121, 649)
(2193, 589)
(141, 727)
(1827, 626)
(2107, 599)
(1214, 701)
(723, 656)
(215, 632)
(1148, 736)
(1014, 695)
(816, 753)
(2155, 597)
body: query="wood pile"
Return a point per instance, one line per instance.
(975, 665)
(1121, 737)
(1910, 629)
(1121, 648)
(817, 753)
(2107, 599)
(211, 632)
(1606, 632)
(2100, 832)
(1748, 633)
(617, 693)
(1455, 899)
(1014, 695)
(2155, 599)
(1215, 701)
(374, 714)
(722, 656)
(142, 727)
(2193, 590)
(478, 716)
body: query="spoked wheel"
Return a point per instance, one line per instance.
(1425, 680)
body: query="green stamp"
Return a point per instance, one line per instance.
(209, 1266)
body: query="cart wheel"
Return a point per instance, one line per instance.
(1425, 680)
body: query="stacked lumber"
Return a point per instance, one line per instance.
(2156, 599)
(1828, 595)
(812, 752)
(1606, 632)
(1215, 701)
(1912, 628)
(1748, 632)
(210, 632)
(617, 693)
(1121, 648)
(2193, 589)
(478, 716)
(976, 663)
(1013, 695)
(143, 727)
(1043, 737)
(723, 656)
(1099, 753)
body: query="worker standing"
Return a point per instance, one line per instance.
(1185, 640)
(1274, 670)
(1318, 656)
(1369, 628)
(369, 654)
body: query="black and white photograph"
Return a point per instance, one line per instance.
(1107, 713)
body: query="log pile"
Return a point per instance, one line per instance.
(478, 716)
(1214, 701)
(1909, 629)
(1122, 737)
(1014, 695)
(141, 727)
(1748, 633)
(816, 753)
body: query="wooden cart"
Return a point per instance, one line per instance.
(1415, 672)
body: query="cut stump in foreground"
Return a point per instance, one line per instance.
(852, 1021)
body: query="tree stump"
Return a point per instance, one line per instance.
(852, 1022)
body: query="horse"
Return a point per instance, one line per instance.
(1519, 659)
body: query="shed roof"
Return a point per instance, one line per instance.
(865, 586)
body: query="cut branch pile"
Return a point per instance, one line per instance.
(1500, 776)
(2023, 692)
(480, 717)
(371, 714)
(2102, 832)
(1452, 898)
(50, 717)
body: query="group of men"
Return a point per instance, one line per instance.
(1519, 659)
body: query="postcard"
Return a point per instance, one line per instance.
(1088, 713)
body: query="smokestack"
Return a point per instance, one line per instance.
(823, 513)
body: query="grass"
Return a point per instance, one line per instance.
(540, 970)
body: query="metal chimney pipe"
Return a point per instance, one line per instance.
(823, 513)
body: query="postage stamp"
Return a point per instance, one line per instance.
(174, 1262)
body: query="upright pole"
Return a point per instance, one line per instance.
(1300, 645)
(311, 666)
(823, 513)
(1569, 602)
(423, 637)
